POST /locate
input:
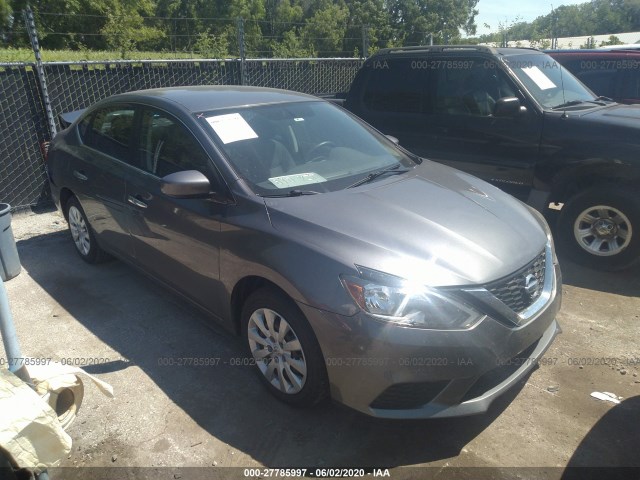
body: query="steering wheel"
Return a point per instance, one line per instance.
(314, 152)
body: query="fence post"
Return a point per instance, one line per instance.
(241, 49)
(35, 45)
(365, 41)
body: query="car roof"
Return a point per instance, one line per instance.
(590, 51)
(215, 97)
(453, 49)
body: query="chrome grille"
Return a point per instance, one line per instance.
(520, 290)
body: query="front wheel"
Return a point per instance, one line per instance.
(285, 350)
(601, 228)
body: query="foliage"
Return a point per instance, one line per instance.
(212, 46)
(292, 46)
(26, 55)
(293, 28)
(596, 17)
(613, 40)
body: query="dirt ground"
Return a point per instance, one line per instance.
(221, 416)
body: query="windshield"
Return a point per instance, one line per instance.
(312, 147)
(551, 84)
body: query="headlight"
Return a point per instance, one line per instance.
(397, 300)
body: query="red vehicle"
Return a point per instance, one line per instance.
(611, 73)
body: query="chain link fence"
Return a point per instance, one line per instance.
(74, 86)
(23, 129)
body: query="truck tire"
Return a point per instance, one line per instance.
(600, 228)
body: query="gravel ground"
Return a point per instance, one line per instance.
(164, 417)
(27, 224)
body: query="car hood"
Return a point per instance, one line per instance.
(435, 225)
(616, 114)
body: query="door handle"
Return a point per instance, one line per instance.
(137, 202)
(79, 174)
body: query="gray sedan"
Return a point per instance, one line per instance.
(351, 268)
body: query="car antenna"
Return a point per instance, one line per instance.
(564, 100)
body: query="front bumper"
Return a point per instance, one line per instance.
(390, 371)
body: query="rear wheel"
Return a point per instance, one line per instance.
(601, 228)
(285, 350)
(82, 234)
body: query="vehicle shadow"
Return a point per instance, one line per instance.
(144, 324)
(624, 282)
(607, 450)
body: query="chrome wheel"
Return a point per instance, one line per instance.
(602, 230)
(277, 351)
(79, 231)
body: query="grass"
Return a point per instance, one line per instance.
(26, 55)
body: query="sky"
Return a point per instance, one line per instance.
(506, 11)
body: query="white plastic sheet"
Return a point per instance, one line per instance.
(29, 428)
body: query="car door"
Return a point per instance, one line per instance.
(175, 239)
(98, 167)
(467, 136)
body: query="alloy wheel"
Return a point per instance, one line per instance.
(277, 351)
(79, 231)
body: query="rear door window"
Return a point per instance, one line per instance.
(110, 131)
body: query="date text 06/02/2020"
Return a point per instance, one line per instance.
(315, 472)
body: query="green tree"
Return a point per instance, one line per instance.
(175, 20)
(413, 21)
(5, 15)
(325, 30)
(211, 45)
(69, 23)
(371, 16)
(291, 46)
(126, 30)
(613, 40)
(253, 13)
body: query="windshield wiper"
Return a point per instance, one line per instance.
(578, 102)
(392, 170)
(568, 104)
(291, 193)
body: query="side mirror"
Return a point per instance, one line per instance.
(508, 107)
(186, 184)
(393, 139)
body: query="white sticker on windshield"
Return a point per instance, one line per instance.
(231, 127)
(541, 80)
(297, 179)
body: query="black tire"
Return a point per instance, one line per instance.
(619, 249)
(315, 387)
(87, 247)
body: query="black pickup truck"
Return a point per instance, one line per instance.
(516, 118)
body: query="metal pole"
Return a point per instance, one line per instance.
(241, 50)
(10, 338)
(33, 36)
(365, 41)
(431, 39)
